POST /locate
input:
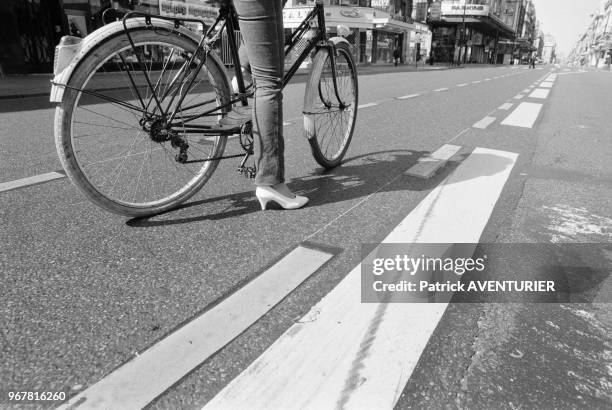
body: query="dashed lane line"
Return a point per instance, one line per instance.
(546, 84)
(141, 380)
(505, 106)
(320, 362)
(33, 180)
(525, 115)
(541, 93)
(484, 123)
(440, 89)
(407, 97)
(518, 96)
(476, 82)
(428, 165)
(462, 85)
(368, 105)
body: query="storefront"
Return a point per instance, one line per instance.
(374, 34)
(29, 31)
(469, 34)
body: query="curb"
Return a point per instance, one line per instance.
(365, 69)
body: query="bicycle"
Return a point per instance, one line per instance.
(144, 102)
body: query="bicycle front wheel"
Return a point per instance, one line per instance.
(112, 128)
(328, 122)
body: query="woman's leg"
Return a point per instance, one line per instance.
(261, 24)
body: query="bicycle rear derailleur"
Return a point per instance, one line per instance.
(158, 132)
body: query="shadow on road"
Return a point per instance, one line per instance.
(358, 177)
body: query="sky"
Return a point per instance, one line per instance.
(566, 20)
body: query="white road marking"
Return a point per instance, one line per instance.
(476, 82)
(484, 123)
(367, 105)
(487, 79)
(505, 106)
(29, 181)
(428, 165)
(541, 93)
(353, 355)
(518, 96)
(546, 84)
(525, 115)
(285, 123)
(441, 89)
(406, 97)
(526, 90)
(551, 78)
(139, 381)
(462, 85)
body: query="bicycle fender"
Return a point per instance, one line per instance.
(92, 41)
(338, 40)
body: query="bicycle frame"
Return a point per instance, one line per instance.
(314, 22)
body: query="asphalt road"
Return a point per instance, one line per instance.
(84, 291)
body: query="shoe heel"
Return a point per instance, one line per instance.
(263, 202)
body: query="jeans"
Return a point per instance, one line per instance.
(261, 24)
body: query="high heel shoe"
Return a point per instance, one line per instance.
(265, 194)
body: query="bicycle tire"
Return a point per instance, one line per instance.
(320, 120)
(70, 156)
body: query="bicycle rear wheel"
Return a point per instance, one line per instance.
(328, 124)
(111, 134)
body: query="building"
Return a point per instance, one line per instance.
(475, 31)
(31, 28)
(378, 27)
(29, 31)
(549, 52)
(594, 47)
(526, 33)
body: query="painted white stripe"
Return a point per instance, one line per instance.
(462, 85)
(406, 97)
(353, 355)
(487, 79)
(285, 123)
(428, 165)
(367, 105)
(551, 78)
(29, 181)
(484, 123)
(526, 90)
(525, 115)
(546, 84)
(476, 82)
(541, 93)
(518, 96)
(148, 375)
(505, 106)
(441, 89)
